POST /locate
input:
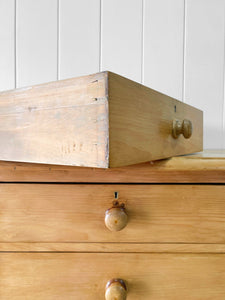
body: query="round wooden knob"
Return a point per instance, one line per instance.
(182, 127)
(116, 290)
(116, 217)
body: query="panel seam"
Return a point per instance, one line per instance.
(142, 41)
(100, 35)
(15, 44)
(184, 52)
(58, 38)
(223, 103)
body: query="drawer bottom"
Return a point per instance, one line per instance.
(84, 275)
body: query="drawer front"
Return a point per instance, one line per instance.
(84, 275)
(76, 213)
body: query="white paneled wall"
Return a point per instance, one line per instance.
(163, 46)
(36, 41)
(121, 37)
(7, 44)
(79, 37)
(204, 65)
(174, 46)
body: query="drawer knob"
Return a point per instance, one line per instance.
(182, 127)
(116, 217)
(116, 290)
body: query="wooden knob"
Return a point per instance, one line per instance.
(182, 127)
(116, 290)
(116, 217)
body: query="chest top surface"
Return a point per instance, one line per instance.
(203, 167)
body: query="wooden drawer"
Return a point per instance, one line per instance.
(101, 120)
(76, 212)
(84, 275)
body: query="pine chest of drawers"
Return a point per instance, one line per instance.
(150, 231)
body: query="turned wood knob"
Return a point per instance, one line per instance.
(182, 127)
(116, 290)
(116, 217)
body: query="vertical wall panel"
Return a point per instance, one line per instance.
(7, 44)
(94, 35)
(36, 41)
(122, 37)
(204, 64)
(79, 39)
(163, 46)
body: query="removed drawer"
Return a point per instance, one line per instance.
(101, 120)
(76, 213)
(84, 276)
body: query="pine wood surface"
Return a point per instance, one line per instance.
(203, 167)
(101, 120)
(84, 275)
(54, 243)
(76, 213)
(112, 247)
(141, 123)
(63, 122)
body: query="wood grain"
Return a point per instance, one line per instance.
(112, 247)
(69, 123)
(84, 275)
(206, 167)
(76, 213)
(141, 122)
(62, 122)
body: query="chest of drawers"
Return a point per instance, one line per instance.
(60, 237)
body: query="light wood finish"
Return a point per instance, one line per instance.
(116, 290)
(54, 243)
(112, 247)
(141, 124)
(204, 167)
(101, 120)
(63, 122)
(84, 275)
(76, 213)
(116, 217)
